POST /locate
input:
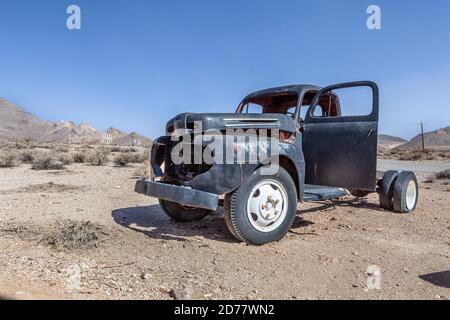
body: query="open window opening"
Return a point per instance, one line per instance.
(280, 103)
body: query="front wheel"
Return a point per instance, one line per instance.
(406, 192)
(182, 213)
(263, 208)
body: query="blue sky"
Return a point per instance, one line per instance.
(137, 63)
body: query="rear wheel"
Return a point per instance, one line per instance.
(406, 192)
(182, 213)
(386, 192)
(263, 208)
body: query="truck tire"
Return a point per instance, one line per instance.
(181, 213)
(226, 210)
(263, 208)
(386, 192)
(406, 192)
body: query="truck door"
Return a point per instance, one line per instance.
(340, 136)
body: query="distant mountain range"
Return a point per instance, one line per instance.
(438, 138)
(18, 124)
(389, 142)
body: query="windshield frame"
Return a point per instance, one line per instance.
(263, 100)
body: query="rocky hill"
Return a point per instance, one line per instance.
(389, 142)
(435, 139)
(18, 124)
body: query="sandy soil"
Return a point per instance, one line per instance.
(143, 255)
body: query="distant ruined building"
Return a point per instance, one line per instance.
(107, 138)
(136, 142)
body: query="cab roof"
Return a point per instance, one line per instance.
(291, 88)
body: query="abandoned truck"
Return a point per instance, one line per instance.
(325, 151)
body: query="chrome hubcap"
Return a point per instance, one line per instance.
(267, 205)
(411, 194)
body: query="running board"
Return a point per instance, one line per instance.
(318, 193)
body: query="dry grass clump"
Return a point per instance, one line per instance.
(115, 149)
(58, 148)
(9, 159)
(79, 157)
(19, 146)
(415, 155)
(75, 235)
(123, 149)
(96, 158)
(105, 150)
(443, 175)
(67, 234)
(27, 157)
(46, 162)
(122, 160)
(430, 179)
(49, 187)
(138, 158)
(65, 158)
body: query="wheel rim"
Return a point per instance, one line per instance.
(267, 205)
(411, 195)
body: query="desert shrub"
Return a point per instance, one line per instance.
(122, 160)
(415, 155)
(75, 235)
(8, 160)
(46, 162)
(115, 149)
(96, 158)
(27, 157)
(410, 156)
(104, 150)
(79, 157)
(128, 150)
(431, 179)
(138, 158)
(65, 159)
(140, 172)
(125, 158)
(59, 148)
(443, 175)
(19, 146)
(444, 155)
(143, 171)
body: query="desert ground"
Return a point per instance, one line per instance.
(133, 251)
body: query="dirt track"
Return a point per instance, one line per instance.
(145, 255)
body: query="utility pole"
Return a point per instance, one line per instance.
(423, 138)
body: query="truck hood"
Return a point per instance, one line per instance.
(224, 121)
